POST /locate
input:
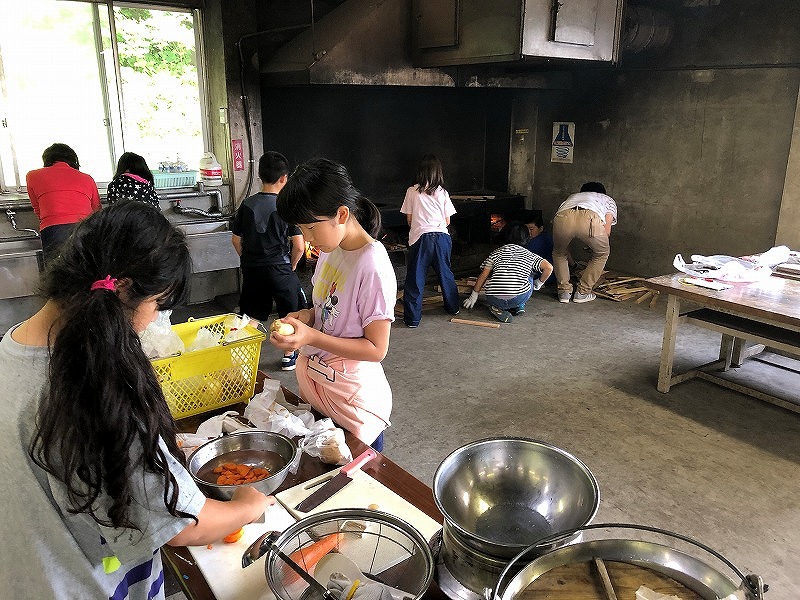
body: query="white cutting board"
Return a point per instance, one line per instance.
(221, 565)
(359, 493)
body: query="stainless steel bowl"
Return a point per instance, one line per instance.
(272, 451)
(502, 495)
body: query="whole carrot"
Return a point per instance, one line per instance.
(309, 556)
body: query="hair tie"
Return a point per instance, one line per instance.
(109, 283)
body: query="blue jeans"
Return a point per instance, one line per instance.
(431, 249)
(509, 303)
(378, 443)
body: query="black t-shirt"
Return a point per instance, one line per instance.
(265, 236)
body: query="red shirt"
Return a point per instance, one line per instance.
(61, 195)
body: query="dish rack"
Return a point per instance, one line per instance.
(162, 180)
(202, 380)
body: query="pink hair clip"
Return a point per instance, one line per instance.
(109, 283)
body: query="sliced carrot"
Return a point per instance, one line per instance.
(209, 547)
(233, 537)
(235, 474)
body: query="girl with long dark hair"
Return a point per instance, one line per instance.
(94, 483)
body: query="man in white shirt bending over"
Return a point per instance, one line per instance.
(588, 217)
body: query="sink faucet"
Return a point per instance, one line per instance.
(10, 216)
(176, 206)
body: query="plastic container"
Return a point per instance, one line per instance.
(202, 380)
(162, 180)
(210, 170)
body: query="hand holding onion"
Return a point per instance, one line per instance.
(281, 328)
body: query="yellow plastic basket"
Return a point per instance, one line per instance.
(202, 380)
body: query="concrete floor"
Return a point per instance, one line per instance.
(702, 460)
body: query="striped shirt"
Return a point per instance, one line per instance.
(512, 267)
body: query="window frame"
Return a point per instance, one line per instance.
(113, 101)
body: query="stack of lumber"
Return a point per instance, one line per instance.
(427, 303)
(464, 285)
(621, 289)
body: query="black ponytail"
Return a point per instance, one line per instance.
(317, 188)
(104, 414)
(368, 216)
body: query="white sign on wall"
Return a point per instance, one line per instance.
(563, 142)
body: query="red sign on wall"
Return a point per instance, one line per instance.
(238, 155)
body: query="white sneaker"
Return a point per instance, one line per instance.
(564, 297)
(578, 298)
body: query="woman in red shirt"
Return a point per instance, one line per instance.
(61, 196)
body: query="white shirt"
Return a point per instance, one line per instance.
(429, 212)
(594, 201)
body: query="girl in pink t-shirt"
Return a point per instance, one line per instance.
(428, 208)
(345, 336)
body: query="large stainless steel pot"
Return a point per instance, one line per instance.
(500, 495)
(682, 566)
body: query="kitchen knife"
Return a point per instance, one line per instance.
(333, 485)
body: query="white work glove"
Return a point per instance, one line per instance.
(341, 587)
(473, 298)
(537, 284)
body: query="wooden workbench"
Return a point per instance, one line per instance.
(765, 312)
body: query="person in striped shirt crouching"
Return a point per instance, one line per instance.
(508, 275)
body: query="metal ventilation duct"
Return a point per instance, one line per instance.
(360, 42)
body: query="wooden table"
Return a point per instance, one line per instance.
(382, 469)
(766, 312)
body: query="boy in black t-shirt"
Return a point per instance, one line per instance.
(269, 249)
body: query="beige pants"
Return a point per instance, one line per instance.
(586, 226)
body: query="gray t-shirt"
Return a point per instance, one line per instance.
(51, 552)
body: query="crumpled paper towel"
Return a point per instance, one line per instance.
(210, 429)
(269, 411)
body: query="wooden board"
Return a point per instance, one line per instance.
(581, 581)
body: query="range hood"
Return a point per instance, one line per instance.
(445, 42)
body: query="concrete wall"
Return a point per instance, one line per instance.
(692, 141)
(224, 23)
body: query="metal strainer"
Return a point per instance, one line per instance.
(382, 547)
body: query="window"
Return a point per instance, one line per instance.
(62, 80)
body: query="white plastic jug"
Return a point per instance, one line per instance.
(210, 170)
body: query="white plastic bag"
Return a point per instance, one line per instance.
(234, 327)
(267, 413)
(724, 268)
(205, 339)
(158, 339)
(326, 442)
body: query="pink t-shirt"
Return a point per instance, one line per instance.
(352, 288)
(429, 212)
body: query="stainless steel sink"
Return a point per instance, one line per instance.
(210, 245)
(20, 264)
(14, 245)
(200, 228)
